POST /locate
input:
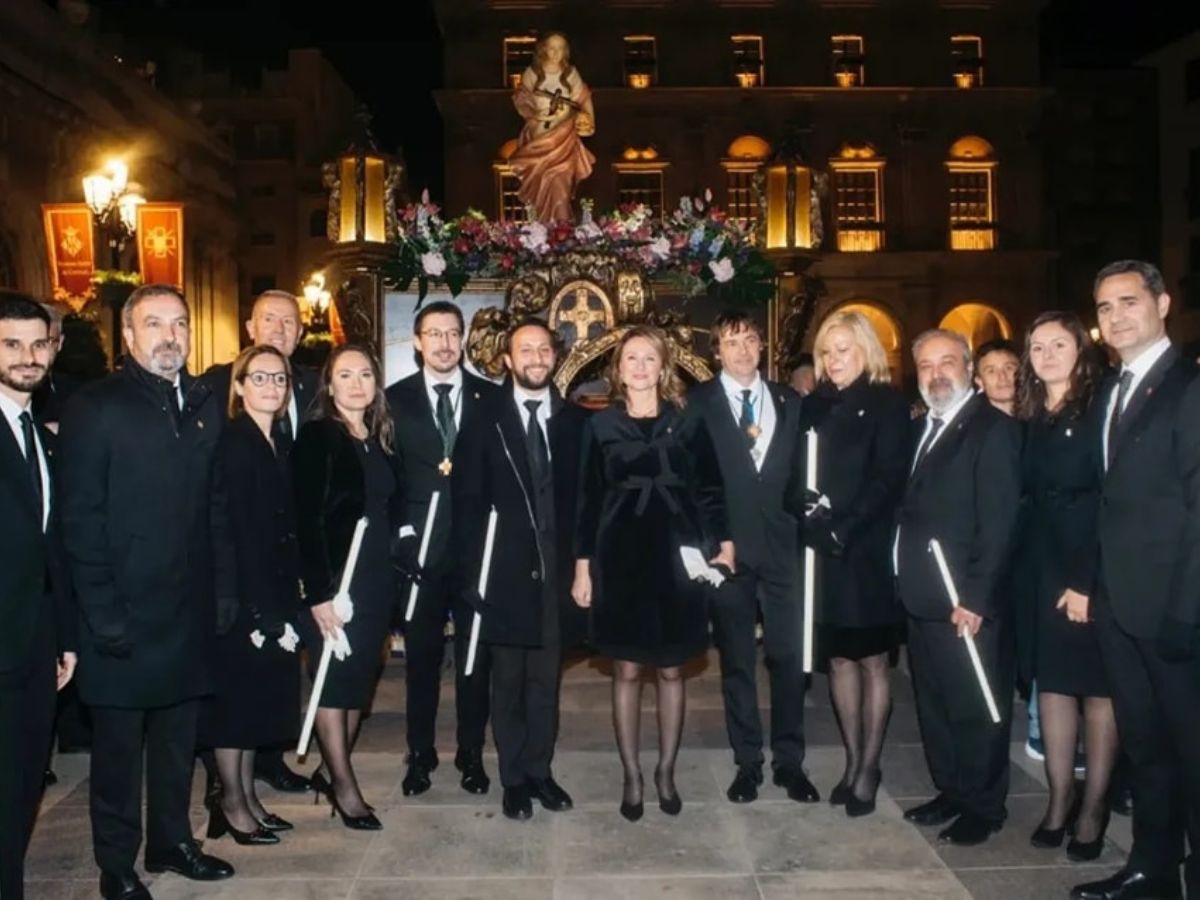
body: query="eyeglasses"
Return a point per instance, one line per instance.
(436, 334)
(262, 379)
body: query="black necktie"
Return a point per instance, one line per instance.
(929, 438)
(31, 458)
(1123, 386)
(535, 441)
(445, 417)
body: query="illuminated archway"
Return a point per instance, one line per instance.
(977, 322)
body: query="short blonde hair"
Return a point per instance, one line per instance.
(862, 332)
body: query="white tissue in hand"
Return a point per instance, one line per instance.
(823, 500)
(289, 640)
(341, 646)
(407, 531)
(697, 567)
(343, 607)
(257, 638)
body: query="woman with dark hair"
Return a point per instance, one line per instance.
(1058, 555)
(344, 470)
(256, 672)
(649, 485)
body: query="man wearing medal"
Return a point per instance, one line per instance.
(754, 426)
(430, 408)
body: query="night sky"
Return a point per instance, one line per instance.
(395, 75)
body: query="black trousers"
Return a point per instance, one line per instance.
(168, 737)
(26, 723)
(424, 644)
(1157, 704)
(735, 606)
(967, 753)
(525, 684)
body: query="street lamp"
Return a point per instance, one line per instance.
(113, 200)
(316, 300)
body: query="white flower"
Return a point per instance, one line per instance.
(588, 231)
(533, 237)
(660, 247)
(433, 263)
(707, 195)
(722, 269)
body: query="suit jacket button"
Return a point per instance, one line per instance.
(535, 575)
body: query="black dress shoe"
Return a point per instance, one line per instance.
(840, 794)
(420, 765)
(474, 779)
(937, 811)
(188, 860)
(516, 803)
(745, 784)
(968, 830)
(284, 779)
(126, 886)
(549, 793)
(1128, 884)
(799, 788)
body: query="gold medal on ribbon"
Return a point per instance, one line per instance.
(445, 466)
(753, 431)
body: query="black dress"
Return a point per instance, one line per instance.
(339, 478)
(1060, 549)
(256, 690)
(648, 487)
(863, 442)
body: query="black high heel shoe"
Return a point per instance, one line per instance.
(272, 822)
(320, 786)
(841, 793)
(218, 826)
(368, 822)
(1052, 838)
(670, 805)
(856, 807)
(633, 811)
(1087, 851)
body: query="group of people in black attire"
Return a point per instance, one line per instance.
(183, 539)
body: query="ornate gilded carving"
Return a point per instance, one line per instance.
(529, 294)
(631, 296)
(581, 311)
(356, 309)
(333, 215)
(485, 340)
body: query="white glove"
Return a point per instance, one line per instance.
(341, 646)
(343, 606)
(289, 641)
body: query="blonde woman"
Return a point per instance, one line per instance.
(649, 486)
(863, 436)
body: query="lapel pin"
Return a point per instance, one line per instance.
(1068, 432)
(862, 412)
(200, 424)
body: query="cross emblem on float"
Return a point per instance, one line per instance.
(581, 311)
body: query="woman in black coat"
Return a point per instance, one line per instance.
(344, 470)
(1059, 556)
(863, 442)
(649, 484)
(255, 669)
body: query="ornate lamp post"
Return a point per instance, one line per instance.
(113, 200)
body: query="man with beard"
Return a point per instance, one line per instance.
(522, 460)
(430, 408)
(964, 489)
(275, 321)
(33, 586)
(135, 468)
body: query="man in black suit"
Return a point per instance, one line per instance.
(1147, 609)
(964, 489)
(36, 650)
(135, 470)
(430, 408)
(522, 459)
(754, 425)
(275, 320)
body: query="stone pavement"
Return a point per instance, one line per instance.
(447, 845)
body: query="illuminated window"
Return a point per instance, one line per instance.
(641, 60)
(849, 60)
(641, 182)
(518, 56)
(966, 57)
(749, 69)
(743, 161)
(858, 199)
(971, 185)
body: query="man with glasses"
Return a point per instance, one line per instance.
(430, 408)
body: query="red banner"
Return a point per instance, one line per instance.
(72, 251)
(160, 243)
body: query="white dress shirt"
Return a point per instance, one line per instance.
(12, 415)
(764, 412)
(543, 411)
(455, 380)
(1139, 367)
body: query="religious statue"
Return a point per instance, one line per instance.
(550, 159)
